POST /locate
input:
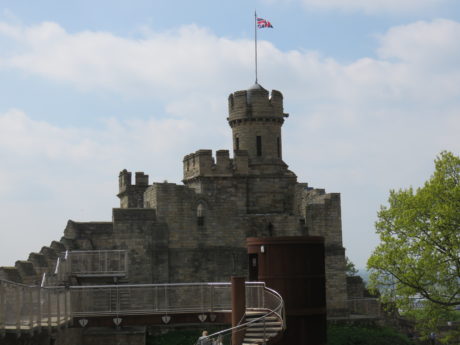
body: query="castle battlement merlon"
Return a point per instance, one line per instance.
(203, 164)
(189, 232)
(132, 195)
(255, 103)
(125, 180)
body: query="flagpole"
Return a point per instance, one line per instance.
(255, 40)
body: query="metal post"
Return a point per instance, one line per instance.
(66, 308)
(118, 301)
(18, 292)
(166, 299)
(31, 309)
(238, 307)
(39, 308)
(255, 40)
(58, 309)
(126, 263)
(2, 308)
(212, 299)
(49, 309)
(202, 298)
(262, 294)
(265, 330)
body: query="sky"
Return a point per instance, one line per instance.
(89, 88)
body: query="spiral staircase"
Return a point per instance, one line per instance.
(56, 304)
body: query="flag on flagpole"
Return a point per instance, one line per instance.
(259, 23)
(263, 23)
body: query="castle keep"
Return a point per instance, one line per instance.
(196, 231)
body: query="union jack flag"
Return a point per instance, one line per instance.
(263, 23)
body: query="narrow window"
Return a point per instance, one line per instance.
(270, 229)
(253, 268)
(200, 215)
(237, 143)
(259, 145)
(278, 146)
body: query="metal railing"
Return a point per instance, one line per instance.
(86, 264)
(93, 263)
(25, 308)
(261, 299)
(160, 298)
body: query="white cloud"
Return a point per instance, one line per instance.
(50, 174)
(370, 6)
(164, 62)
(423, 43)
(358, 128)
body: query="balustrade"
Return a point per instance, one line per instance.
(27, 308)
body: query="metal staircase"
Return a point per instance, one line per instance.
(262, 328)
(264, 321)
(57, 302)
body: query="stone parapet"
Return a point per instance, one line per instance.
(202, 164)
(132, 195)
(255, 102)
(27, 272)
(133, 215)
(11, 274)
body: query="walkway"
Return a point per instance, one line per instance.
(27, 309)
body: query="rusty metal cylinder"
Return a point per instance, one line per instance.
(238, 307)
(295, 268)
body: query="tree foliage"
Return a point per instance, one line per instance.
(360, 335)
(419, 253)
(350, 268)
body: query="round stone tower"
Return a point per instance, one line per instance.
(256, 119)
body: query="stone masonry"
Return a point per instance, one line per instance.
(196, 231)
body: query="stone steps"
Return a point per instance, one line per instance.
(262, 330)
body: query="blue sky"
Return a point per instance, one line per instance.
(91, 88)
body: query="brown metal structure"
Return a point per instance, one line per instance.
(294, 266)
(238, 307)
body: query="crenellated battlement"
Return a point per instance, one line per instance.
(125, 178)
(202, 163)
(131, 195)
(254, 103)
(197, 230)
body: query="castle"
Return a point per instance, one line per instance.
(196, 231)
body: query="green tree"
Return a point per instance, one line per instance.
(350, 268)
(419, 253)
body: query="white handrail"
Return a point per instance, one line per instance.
(43, 279)
(279, 311)
(58, 261)
(26, 307)
(47, 304)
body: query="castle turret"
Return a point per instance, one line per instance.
(132, 196)
(256, 119)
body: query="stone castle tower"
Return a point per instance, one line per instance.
(196, 231)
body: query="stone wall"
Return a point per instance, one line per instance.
(323, 218)
(197, 231)
(30, 271)
(355, 287)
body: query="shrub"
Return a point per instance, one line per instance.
(359, 335)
